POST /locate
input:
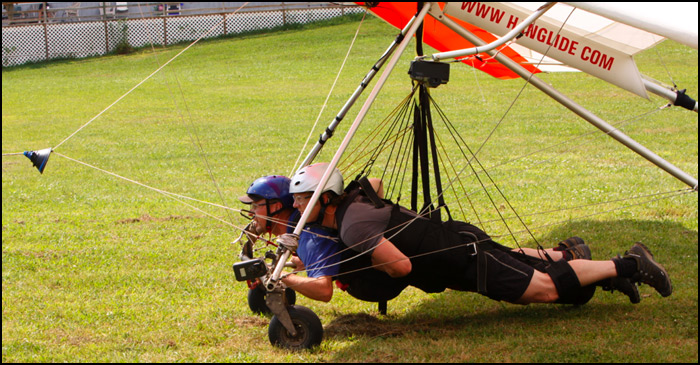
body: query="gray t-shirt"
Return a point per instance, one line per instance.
(363, 225)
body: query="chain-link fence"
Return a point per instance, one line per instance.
(40, 42)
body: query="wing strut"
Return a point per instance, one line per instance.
(276, 274)
(677, 97)
(328, 133)
(573, 106)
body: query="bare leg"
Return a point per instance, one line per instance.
(542, 290)
(589, 272)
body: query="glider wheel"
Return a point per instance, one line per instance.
(258, 295)
(308, 326)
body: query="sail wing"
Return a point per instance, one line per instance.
(582, 40)
(438, 36)
(597, 38)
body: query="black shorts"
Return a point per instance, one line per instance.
(507, 277)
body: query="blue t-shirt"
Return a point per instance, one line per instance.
(318, 252)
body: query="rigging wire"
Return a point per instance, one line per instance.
(179, 197)
(147, 78)
(453, 130)
(671, 193)
(168, 194)
(400, 111)
(311, 131)
(194, 137)
(668, 72)
(585, 135)
(196, 141)
(666, 195)
(474, 154)
(476, 79)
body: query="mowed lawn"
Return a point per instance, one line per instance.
(96, 268)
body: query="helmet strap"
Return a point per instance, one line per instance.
(268, 223)
(322, 211)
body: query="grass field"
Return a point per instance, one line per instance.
(98, 269)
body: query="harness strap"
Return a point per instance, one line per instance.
(478, 249)
(370, 193)
(481, 272)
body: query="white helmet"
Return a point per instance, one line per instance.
(307, 179)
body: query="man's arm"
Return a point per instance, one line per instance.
(389, 259)
(320, 288)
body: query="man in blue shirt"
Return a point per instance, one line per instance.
(272, 210)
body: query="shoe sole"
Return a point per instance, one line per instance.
(633, 293)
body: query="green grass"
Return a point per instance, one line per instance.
(98, 269)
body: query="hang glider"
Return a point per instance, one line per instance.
(609, 58)
(586, 46)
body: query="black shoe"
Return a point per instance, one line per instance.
(576, 247)
(649, 271)
(624, 286)
(580, 252)
(570, 242)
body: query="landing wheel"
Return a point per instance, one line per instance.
(306, 323)
(258, 295)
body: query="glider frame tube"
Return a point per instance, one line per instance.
(488, 47)
(361, 115)
(670, 95)
(355, 95)
(274, 278)
(573, 106)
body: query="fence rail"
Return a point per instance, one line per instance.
(62, 12)
(51, 40)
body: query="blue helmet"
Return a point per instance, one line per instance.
(270, 187)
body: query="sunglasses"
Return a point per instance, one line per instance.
(247, 213)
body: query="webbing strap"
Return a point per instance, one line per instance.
(370, 193)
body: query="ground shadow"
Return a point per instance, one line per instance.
(457, 320)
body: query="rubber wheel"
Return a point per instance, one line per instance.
(258, 295)
(308, 326)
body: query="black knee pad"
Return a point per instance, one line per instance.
(567, 284)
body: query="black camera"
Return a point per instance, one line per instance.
(432, 73)
(249, 270)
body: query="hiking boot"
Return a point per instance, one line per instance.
(624, 286)
(576, 247)
(580, 252)
(570, 242)
(649, 271)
